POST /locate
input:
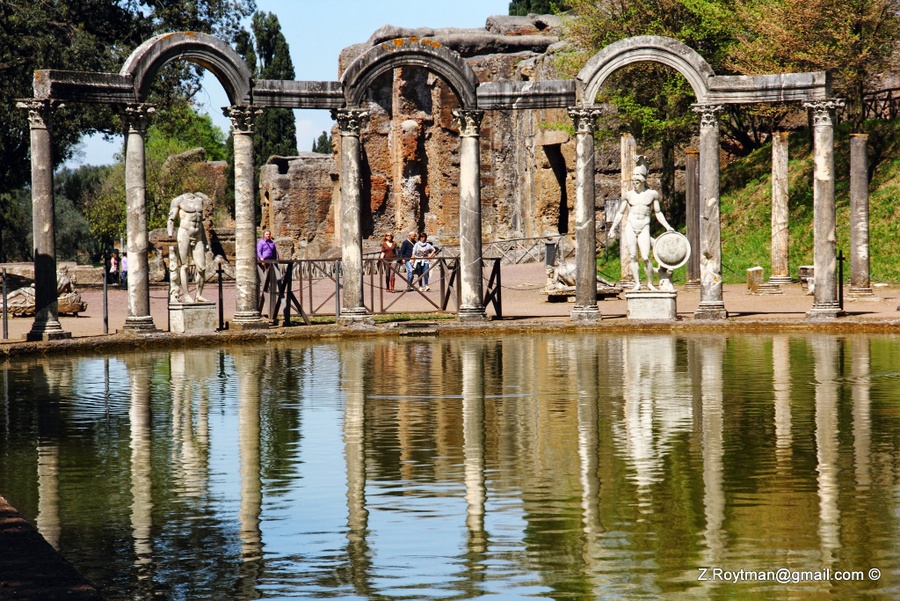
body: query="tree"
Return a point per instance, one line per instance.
(522, 8)
(322, 144)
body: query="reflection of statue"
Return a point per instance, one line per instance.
(641, 202)
(191, 238)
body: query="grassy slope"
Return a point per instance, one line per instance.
(746, 205)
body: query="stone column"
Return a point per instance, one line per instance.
(586, 308)
(780, 273)
(43, 223)
(139, 319)
(711, 304)
(471, 307)
(353, 309)
(692, 216)
(246, 313)
(860, 286)
(825, 303)
(627, 152)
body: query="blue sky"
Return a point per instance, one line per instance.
(316, 32)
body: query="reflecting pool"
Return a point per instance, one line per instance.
(554, 467)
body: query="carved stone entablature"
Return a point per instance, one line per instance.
(242, 118)
(822, 110)
(469, 121)
(709, 114)
(585, 119)
(38, 112)
(350, 120)
(138, 116)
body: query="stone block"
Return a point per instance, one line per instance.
(188, 318)
(754, 279)
(651, 305)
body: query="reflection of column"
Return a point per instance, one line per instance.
(825, 355)
(47, 521)
(588, 377)
(712, 306)
(248, 366)
(472, 358)
(350, 121)
(471, 306)
(713, 450)
(862, 423)
(140, 417)
(780, 273)
(781, 383)
(46, 324)
(825, 305)
(585, 216)
(353, 375)
(139, 318)
(246, 313)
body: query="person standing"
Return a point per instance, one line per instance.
(123, 271)
(406, 253)
(265, 248)
(113, 269)
(422, 252)
(389, 256)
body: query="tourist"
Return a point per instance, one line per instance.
(641, 202)
(406, 253)
(265, 248)
(422, 251)
(123, 271)
(389, 255)
(113, 275)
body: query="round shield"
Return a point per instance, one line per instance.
(672, 250)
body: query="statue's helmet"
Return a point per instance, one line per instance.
(641, 169)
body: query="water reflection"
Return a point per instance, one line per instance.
(549, 467)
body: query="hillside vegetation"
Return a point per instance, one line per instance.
(746, 194)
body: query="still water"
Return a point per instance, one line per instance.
(528, 467)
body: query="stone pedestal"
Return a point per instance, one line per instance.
(650, 304)
(189, 318)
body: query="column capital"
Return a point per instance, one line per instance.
(709, 114)
(242, 117)
(822, 110)
(585, 119)
(350, 120)
(469, 121)
(138, 116)
(38, 112)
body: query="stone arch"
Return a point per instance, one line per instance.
(400, 52)
(658, 49)
(207, 51)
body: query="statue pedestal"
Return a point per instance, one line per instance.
(648, 304)
(187, 318)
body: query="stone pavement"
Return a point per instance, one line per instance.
(522, 302)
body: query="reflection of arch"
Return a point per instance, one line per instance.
(363, 71)
(639, 49)
(207, 51)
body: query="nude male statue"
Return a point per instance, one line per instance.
(191, 237)
(641, 203)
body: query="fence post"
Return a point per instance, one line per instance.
(337, 289)
(105, 298)
(221, 299)
(5, 309)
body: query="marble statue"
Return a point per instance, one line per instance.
(191, 245)
(641, 203)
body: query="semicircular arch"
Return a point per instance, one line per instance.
(637, 49)
(402, 52)
(206, 50)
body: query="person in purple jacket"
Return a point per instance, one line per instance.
(265, 248)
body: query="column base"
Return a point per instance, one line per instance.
(824, 312)
(249, 320)
(692, 285)
(586, 314)
(140, 325)
(780, 280)
(711, 310)
(656, 305)
(861, 293)
(472, 314)
(47, 330)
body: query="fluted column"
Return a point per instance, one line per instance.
(246, 314)
(627, 153)
(692, 216)
(860, 285)
(139, 319)
(471, 307)
(46, 307)
(825, 303)
(780, 272)
(586, 308)
(712, 306)
(353, 309)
